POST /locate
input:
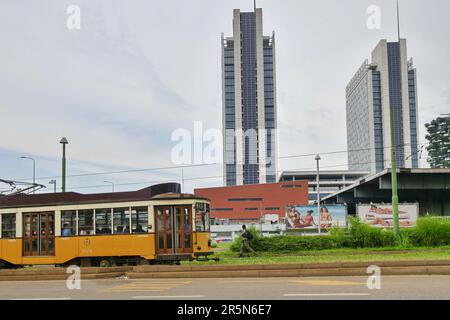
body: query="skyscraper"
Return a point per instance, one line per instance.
(249, 102)
(390, 80)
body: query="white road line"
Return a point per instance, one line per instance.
(325, 294)
(167, 297)
(42, 299)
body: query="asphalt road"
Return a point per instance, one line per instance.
(335, 288)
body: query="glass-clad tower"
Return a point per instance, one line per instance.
(249, 102)
(389, 81)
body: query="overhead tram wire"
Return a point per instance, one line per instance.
(210, 164)
(217, 177)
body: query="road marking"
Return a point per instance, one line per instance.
(167, 297)
(325, 294)
(148, 286)
(251, 281)
(130, 289)
(41, 299)
(135, 289)
(327, 282)
(158, 283)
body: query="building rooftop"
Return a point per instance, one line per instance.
(161, 191)
(441, 179)
(311, 175)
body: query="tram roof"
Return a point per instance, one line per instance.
(167, 191)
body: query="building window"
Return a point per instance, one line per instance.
(8, 225)
(222, 209)
(68, 223)
(245, 199)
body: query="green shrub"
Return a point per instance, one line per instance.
(431, 231)
(337, 232)
(365, 236)
(236, 245)
(214, 245)
(296, 243)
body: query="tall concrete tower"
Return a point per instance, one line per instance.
(249, 102)
(389, 81)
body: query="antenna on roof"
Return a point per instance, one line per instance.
(254, 4)
(398, 20)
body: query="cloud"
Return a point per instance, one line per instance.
(138, 70)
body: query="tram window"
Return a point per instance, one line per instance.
(121, 220)
(86, 222)
(103, 221)
(9, 225)
(202, 223)
(139, 220)
(68, 223)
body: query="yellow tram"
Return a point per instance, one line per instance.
(157, 223)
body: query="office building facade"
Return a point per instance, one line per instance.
(249, 102)
(330, 182)
(249, 203)
(389, 81)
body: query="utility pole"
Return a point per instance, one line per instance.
(63, 142)
(318, 189)
(394, 178)
(393, 150)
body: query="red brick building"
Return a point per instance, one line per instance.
(253, 202)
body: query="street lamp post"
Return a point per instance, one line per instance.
(112, 184)
(53, 182)
(34, 169)
(64, 142)
(318, 189)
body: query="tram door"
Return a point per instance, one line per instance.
(174, 229)
(39, 234)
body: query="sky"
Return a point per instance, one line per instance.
(138, 70)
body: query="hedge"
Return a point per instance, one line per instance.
(428, 232)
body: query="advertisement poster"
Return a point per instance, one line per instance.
(307, 217)
(381, 215)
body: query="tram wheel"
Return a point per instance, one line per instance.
(105, 263)
(143, 262)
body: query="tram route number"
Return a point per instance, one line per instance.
(226, 310)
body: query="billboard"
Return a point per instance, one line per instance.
(307, 217)
(381, 215)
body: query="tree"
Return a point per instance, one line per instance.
(439, 142)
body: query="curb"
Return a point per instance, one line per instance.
(335, 265)
(286, 273)
(425, 267)
(106, 275)
(43, 274)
